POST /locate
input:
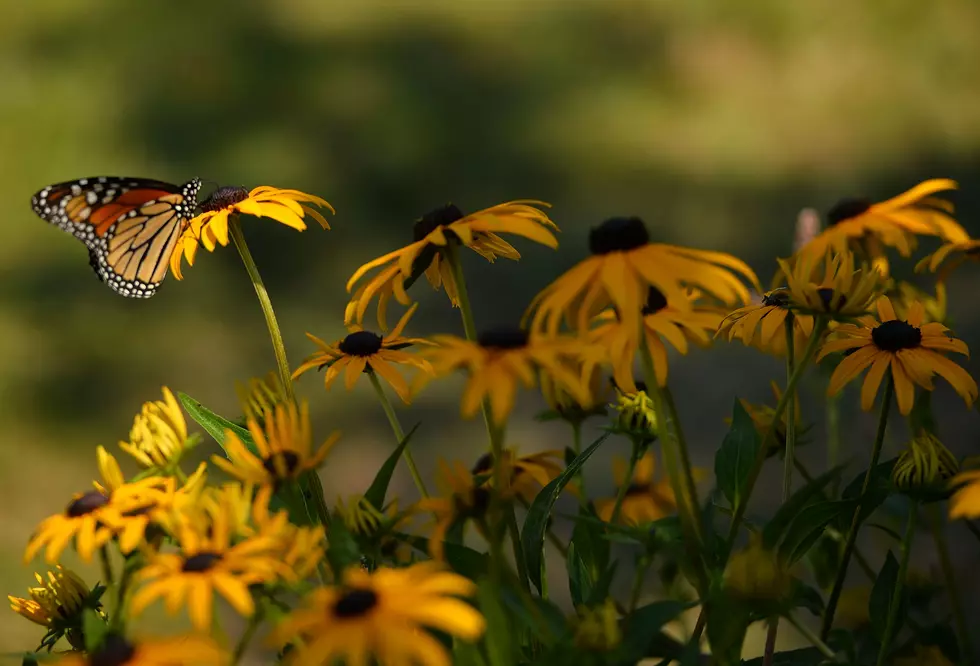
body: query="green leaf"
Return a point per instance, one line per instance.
(580, 578)
(879, 488)
(775, 529)
(881, 596)
(467, 654)
(806, 597)
(737, 456)
(921, 418)
(342, 550)
(727, 622)
(643, 626)
(536, 522)
(379, 487)
(462, 559)
(94, 629)
(803, 657)
(601, 588)
(215, 425)
(809, 525)
(499, 639)
(543, 619)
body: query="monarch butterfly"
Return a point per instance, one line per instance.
(129, 225)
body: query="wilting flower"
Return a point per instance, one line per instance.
(677, 323)
(645, 501)
(210, 228)
(925, 464)
(912, 350)
(762, 325)
(839, 290)
(499, 360)
(383, 615)
(57, 603)
(462, 500)
(432, 233)
(158, 437)
(893, 223)
(363, 351)
(950, 256)
(115, 650)
(208, 562)
(623, 267)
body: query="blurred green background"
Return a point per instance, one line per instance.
(716, 122)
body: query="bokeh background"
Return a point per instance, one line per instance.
(716, 122)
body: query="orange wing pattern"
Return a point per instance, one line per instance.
(129, 225)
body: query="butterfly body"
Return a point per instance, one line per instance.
(129, 225)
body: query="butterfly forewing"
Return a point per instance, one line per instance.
(130, 225)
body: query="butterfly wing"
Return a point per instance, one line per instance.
(129, 225)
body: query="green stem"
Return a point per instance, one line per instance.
(577, 448)
(851, 539)
(624, 484)
(685, 458)
(246, 638)
(106, 566)
(789, 459)
(952, 587)
(833, 432)
(396, 427)
(641, 573)
(814, 640)
(515, 543)
(896, 601)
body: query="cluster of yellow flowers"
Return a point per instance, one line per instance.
(255, 541)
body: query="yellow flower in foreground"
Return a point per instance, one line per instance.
(158, 437)
(382, 615)
(431, 234)
(949, 257)
(56, 602)
(838, 290)
(363, 351)
(623, 266)
(894, 222)
(645, 500)
(115, 650)
(762, 325)
(499, 360)
(462, 500)
(210, 228)
(965, 502)
(912, 350)
(95, 517)
(208, 562)
(284, 448)
(677, 323)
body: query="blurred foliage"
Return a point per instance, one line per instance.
(716, 122)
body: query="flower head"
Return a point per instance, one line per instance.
(636, 415)
(502, 358)
(914, 352)
(645, 501)
(382, 615)
(925, 464)
(462, 500)
(283, 448)
(259, 396)
(757, 573)
(762, 324)
(623, 267)
(904, 294)
(894, 222)
(839, 290)
(210, 228)
(57, 604)
(597, 628)
(432, 233)
(116, 650)
(363, 351)
(158, 437)
(949, 257)
(527, 474)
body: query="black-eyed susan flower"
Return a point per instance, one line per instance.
(210, 228)
(478, 231)
(116, 650)
(501, 359)
(95, 517)
(359, 515)
(284, 447)
(528, 474)
(913, 351)
(57, 604)
(949, 257)
(904, 294)
(207, 562)
(158, 437)
(893, 223)
(839, 290)
(762, 324)
(677, 323)
(384, 615)
(259, 396)
(965, 502)
(461, 500)
(645, 500)
(636, 415)
(924, 464)
(623, 266)
(363, 351)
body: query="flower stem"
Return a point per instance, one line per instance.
(396, 427)
(789, 458)
(849, 541)
(814, 640)
(833, 433)
(577, 448)
(952, 587)
(624, 484)
(253, 624)
(106, 566)
(685, 457)
(638, 579)
(896, 601)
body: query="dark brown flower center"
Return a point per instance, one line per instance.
(483, 464)
(87, 503)
(355, 603)
(440, 217)
(139, 511)
(502, 338)
(777, 298)
(656, 301)
(223, 197)
(289, 461)
(638, 489)
(201, 562)
(827, 298)
(114, 651)
(895, 335)
(618, 234)
(845, 209)
(361, 343)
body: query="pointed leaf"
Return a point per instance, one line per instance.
(737, 456)
(536, 522)
(499, 639)
(644, 625)
(580, 579)
(809, 525)
(463, 559)
(379, 487)
(342, 548)
(780, 522)
(879, 488)
(881, 596)
(215, 425)
(543, 619)
(94, 629)
(601, 588)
